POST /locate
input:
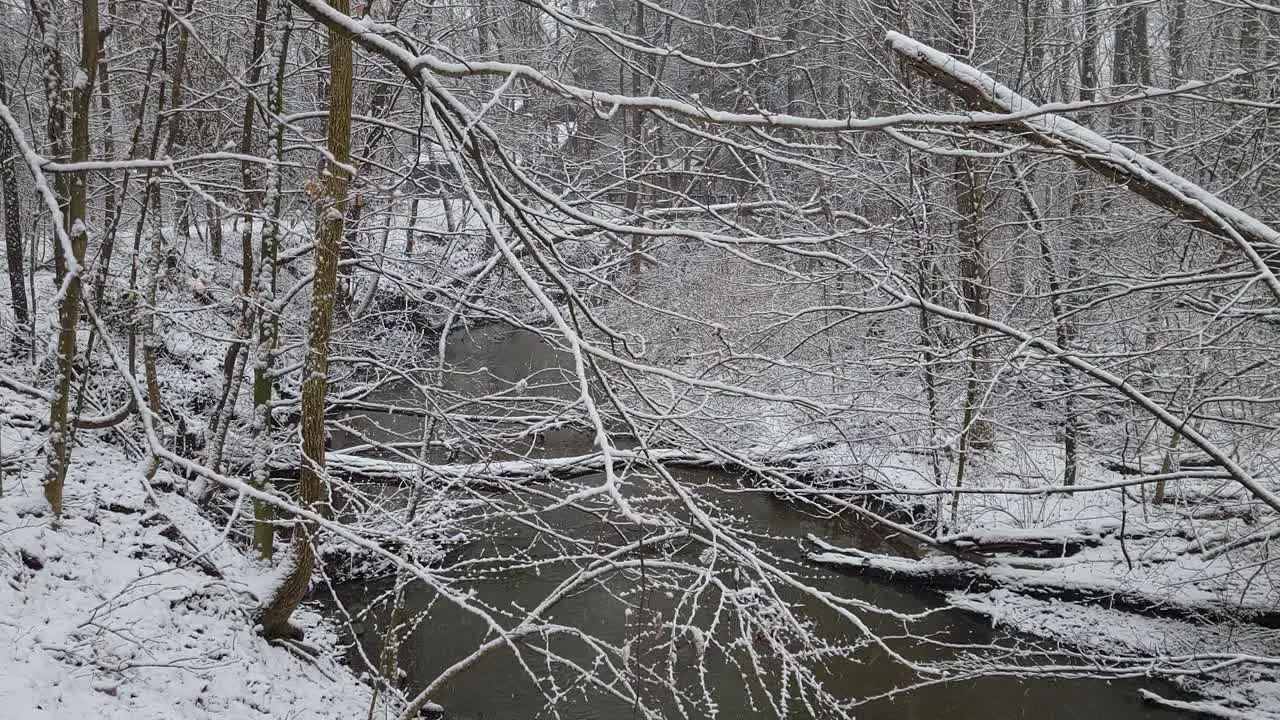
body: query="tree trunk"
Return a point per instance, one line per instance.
(13, 228)
(1063, 328)
(214, 219)
(265, 293)
(1131, 68)
(1179, 69)
(970, 188)
(975, 283)
(13, 232)
(55, 89)
(139, 328)
(114, 202)
(60, 422)
(411, 230)
(177, 124)
(312, 491)
(351, 236)
(635, 153)
(928, 285)
(1089, 52)
(159, 261)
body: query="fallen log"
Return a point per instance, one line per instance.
(542, 470)
(946, 573)
(1040, 543)
(358, 468)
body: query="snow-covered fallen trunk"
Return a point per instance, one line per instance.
(1209, 709)
(1118, 163)
(1035, 578)
(366, 469)
(1045, 542)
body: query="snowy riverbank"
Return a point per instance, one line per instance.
(1182, 589)
(137, 607)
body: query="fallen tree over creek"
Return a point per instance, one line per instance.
(361, 469)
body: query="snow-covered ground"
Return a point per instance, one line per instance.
(136, 607)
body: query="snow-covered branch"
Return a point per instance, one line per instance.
(1116, 162)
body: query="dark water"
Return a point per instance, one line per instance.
(704, 618)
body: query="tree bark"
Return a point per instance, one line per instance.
(970, 183)
(1089, 51)
(214, 218)
(312, 491)
(158, 259)
(1179, 69)
(975, 284)
(178, 122)
(1131, 68)
(55, 89)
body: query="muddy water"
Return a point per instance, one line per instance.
(527, 543)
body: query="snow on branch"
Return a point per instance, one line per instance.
(1118, 163)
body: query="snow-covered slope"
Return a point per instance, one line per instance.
(136, 607)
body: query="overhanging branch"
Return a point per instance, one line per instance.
(1115, 162)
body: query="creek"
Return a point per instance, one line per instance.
(660, 600)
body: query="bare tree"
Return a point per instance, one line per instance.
(313, 491)
(71, 257)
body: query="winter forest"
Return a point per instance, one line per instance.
(640, 359)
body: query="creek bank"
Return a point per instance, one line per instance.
(1020, 560)
(1034, 579)
(135, 607)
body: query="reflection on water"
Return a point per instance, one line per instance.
(696, 621)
